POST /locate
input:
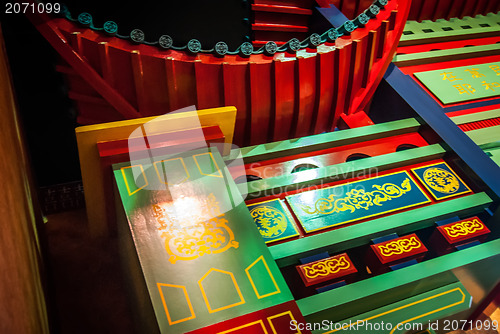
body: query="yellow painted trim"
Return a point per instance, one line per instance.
(280, 315)
(364, 217)
(210, 310)
(247, 271)
(246, 325)
(432, 191)
(214, 162)
(170, 322)
(408, 305)
(130, 193)
(183, 165)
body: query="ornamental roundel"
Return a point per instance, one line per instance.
(137, 35)
(221, 48)
(194, 46)
(270, 222)
(270, 47)
(363, 18)
(85, 18)
(332, 34)
(441, 180)
(294, 44)
(349, 26)
(315, 39)
(110, 27)
(246, 49)
(165, 41)
(374, 9)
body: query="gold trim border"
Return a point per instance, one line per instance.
(408, 305)
(214, 162)
(170, 322)
(126, 182)
(210, 310)
(259, 296)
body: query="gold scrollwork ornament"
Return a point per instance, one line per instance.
(358, 199)
(191, 241)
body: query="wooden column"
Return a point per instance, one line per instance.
(22, 298)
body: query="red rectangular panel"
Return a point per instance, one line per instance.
(326, 269)
(275, 319)
(398, 249)
(462, 230)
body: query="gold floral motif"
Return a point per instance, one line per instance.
(441, 180)
(271, 222)
(358, 199)
(188, 240)
(399, 246)
(327, 267)
(464, 228)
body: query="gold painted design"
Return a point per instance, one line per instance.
(358, 199)
(327, 267)
(260, 322)
(279, 315)
(247, 271)
(441, 180)
(205, 298)
(270, 222)
(464, 228)
(170, 322)
(130, 193)
(190, 237)
(217, 172)
(432, 311)
(181, 160)
(399, 246)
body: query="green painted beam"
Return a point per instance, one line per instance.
(390, 287)
(409, 314)
(475, 117)
(485, 138)
(446, 55)
(325, 140)
(450, 30)
(361, 234)
(284, 183)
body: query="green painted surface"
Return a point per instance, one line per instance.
(361, 234)
(486, 137)
(325, 140)
(464, 83)
(201, 255)
(414, 313)
(435, 56)
(446, 30)
(475, 117)
(390, 287)
(352, 169)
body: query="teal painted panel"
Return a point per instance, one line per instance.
(464, 83)
(273, 220)
(441, 180)
(345, 203)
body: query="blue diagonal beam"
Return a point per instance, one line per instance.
(433, 115)
(333, 15)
